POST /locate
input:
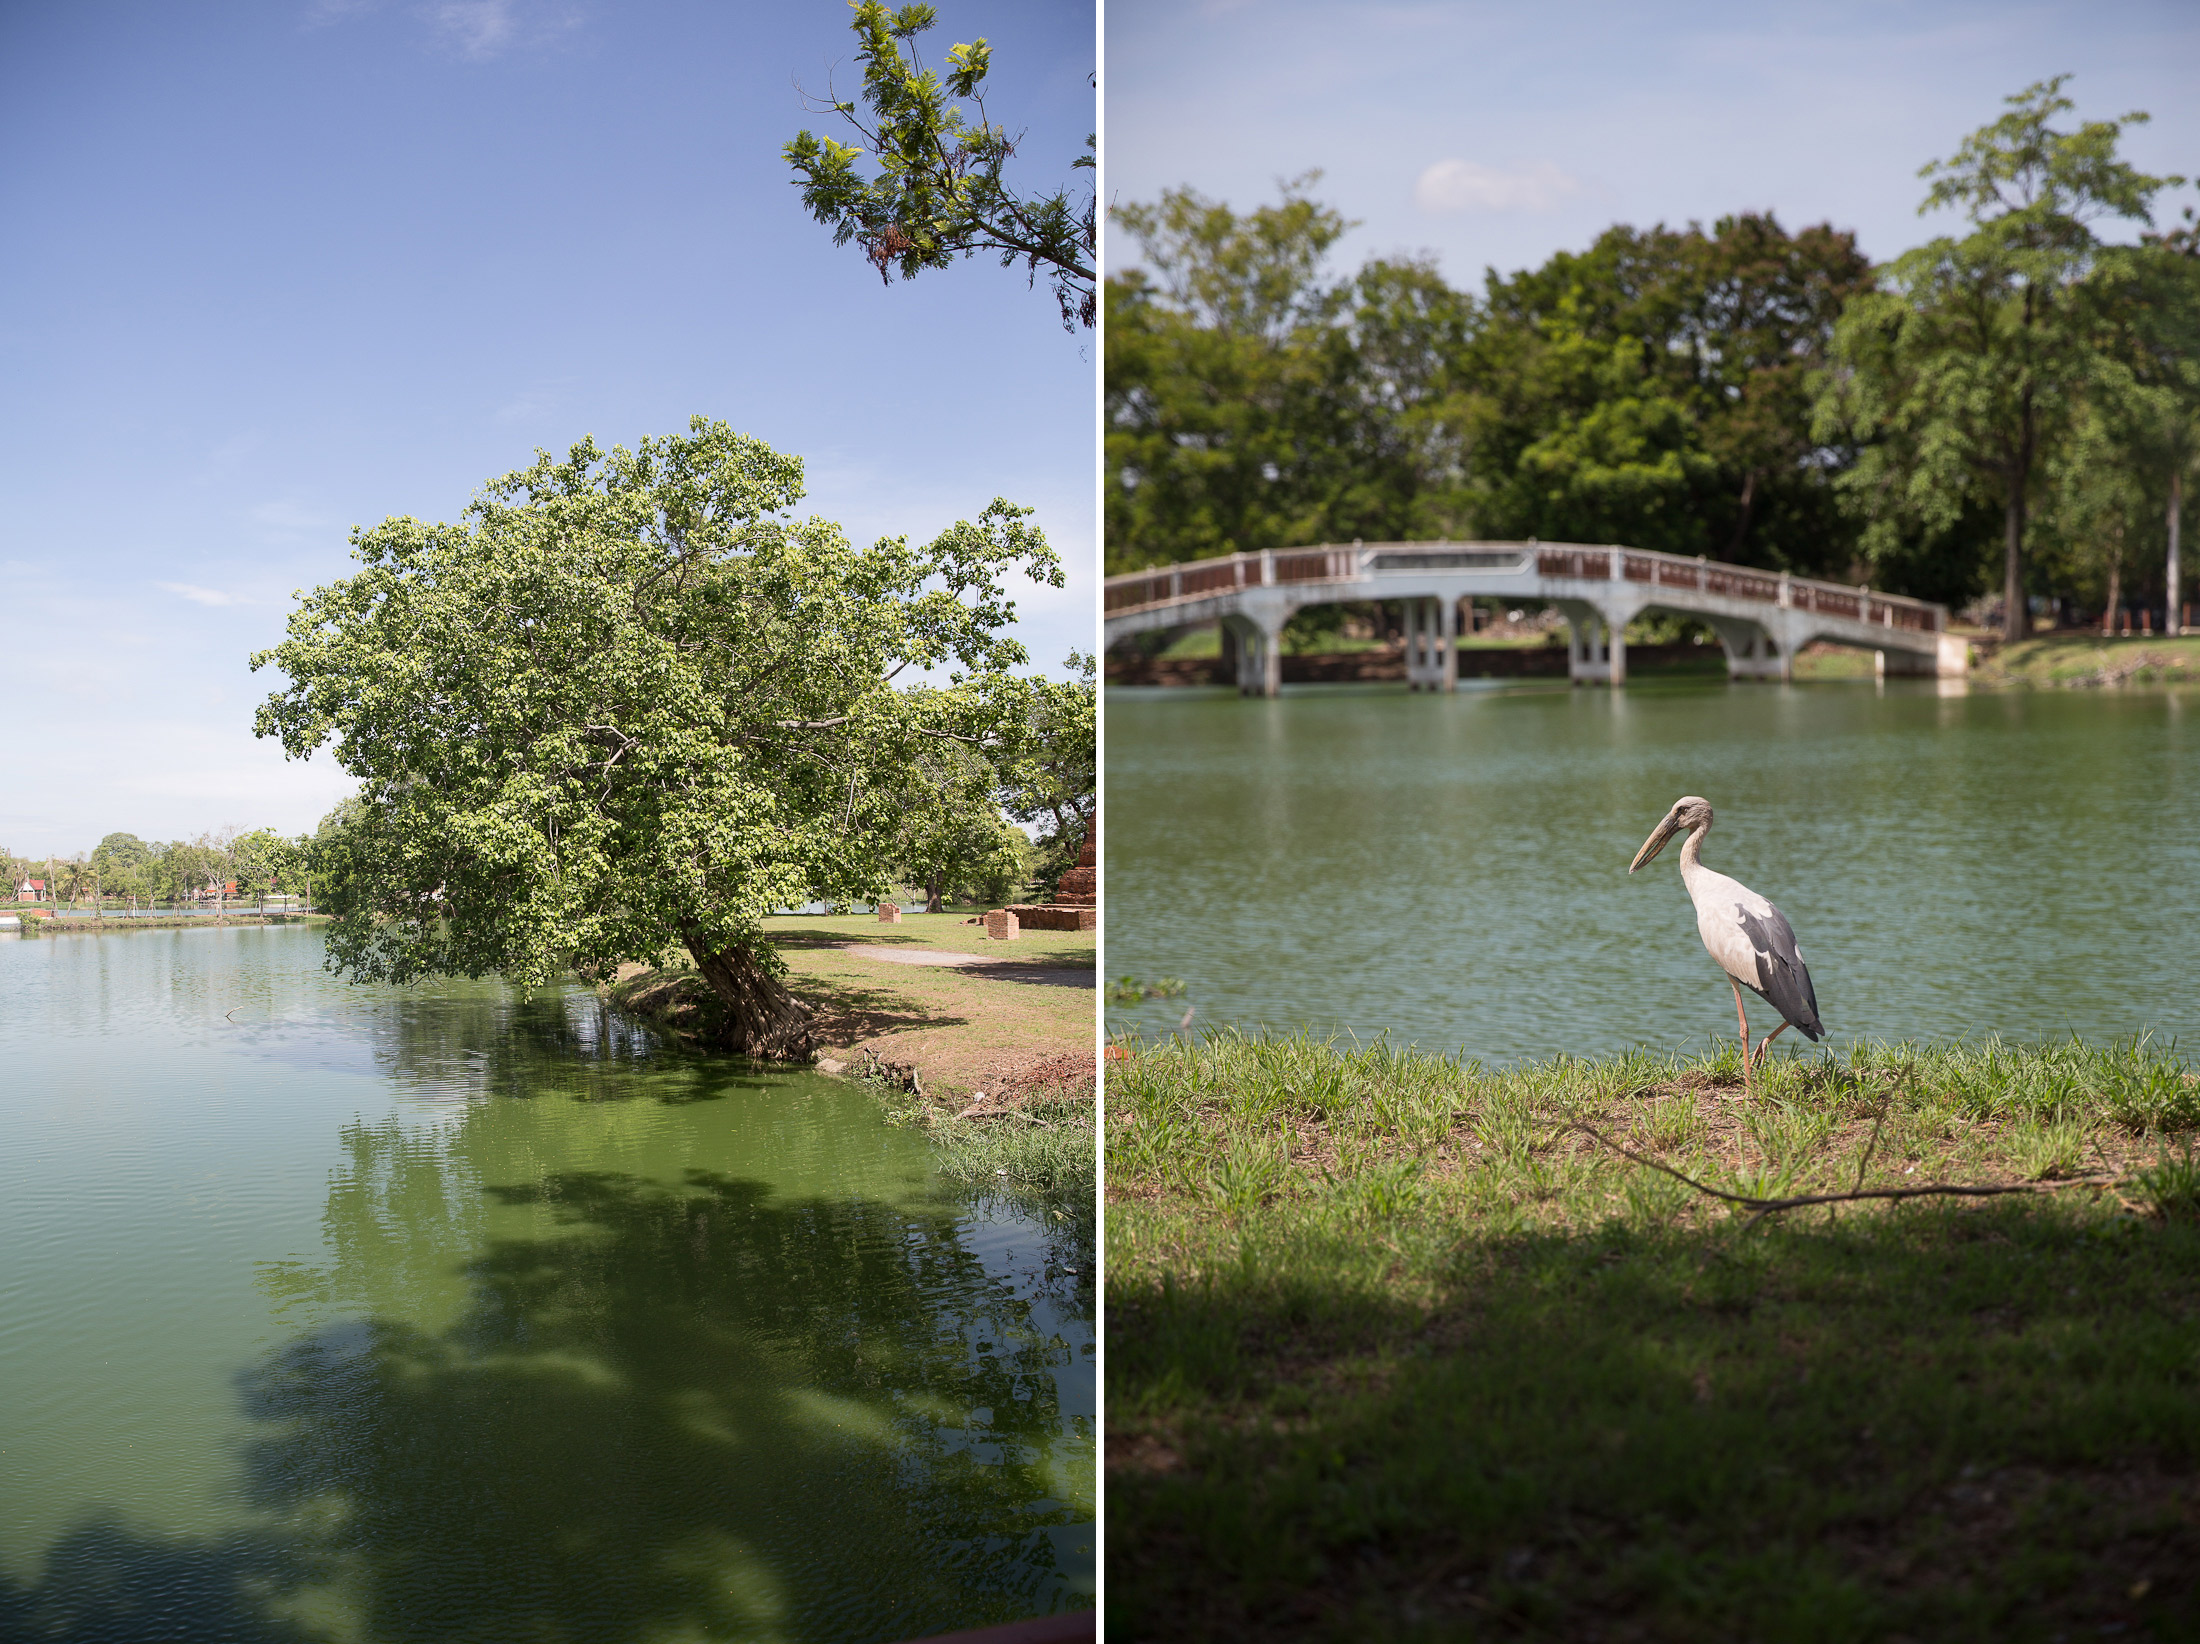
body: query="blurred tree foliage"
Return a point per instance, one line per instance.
(1653, 390)
(1978, 360)
(1742, 391)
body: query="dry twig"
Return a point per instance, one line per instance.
(1767, 1207)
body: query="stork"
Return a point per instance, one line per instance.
(1749, 937)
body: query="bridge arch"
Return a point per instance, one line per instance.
(1762, 618)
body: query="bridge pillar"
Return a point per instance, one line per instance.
(1432, 644)
(1751, 650)
(1259, 636)
(1596, 644)
(1949, 659)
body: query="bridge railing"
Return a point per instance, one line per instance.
(1196, 579)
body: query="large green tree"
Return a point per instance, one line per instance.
(1970, 362)
(1221, 355)
(939, 192)
(630, 701)
(1047, 761)
(1653, 389)
(2153, 290)
(953, 831)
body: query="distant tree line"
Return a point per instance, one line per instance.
(228, 864)
(2011, 410)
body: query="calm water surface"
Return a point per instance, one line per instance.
(330, 1313)
(1452, 871)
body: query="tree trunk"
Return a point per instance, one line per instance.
(2015, 623)
(1741, 523)
(934, 898)
(2115, 596)
(763, 1019)
(2172, 623)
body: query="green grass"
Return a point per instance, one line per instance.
(2080, 658)
(1394, 1354)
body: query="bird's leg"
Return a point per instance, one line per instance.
(1774, 1034)
(1742, 1016)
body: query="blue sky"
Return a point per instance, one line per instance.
(1495, 134)
(273, 270)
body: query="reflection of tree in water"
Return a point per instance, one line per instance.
(483, 1039)
(693, 1411)
(698, 1412)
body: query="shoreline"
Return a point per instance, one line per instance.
(107, 924)
(2061, 659)
(991, 1054)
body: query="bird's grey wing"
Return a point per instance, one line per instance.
(1782, 977)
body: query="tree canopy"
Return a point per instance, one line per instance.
(1653, 389)
(939, 192)
(1744, 391)
(630, 701)
(1972, 360)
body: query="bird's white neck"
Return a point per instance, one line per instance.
(1692, 854)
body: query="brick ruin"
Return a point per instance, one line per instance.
(1076, 904)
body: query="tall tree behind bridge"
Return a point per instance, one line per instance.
(1655, 390)
(1652, 390)
(1221, 434)
(1969, 364)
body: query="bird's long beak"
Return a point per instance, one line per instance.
(1656, 842)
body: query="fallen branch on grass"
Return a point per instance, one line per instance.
(979, 1111)
(1766, 1207)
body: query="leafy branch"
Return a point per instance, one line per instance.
(939, 193)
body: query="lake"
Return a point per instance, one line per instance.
(462, 1311)
(1451, 871)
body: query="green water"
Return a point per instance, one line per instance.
(331, 1313)
(1452, 871)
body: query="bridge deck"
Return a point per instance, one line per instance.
(1762, 617)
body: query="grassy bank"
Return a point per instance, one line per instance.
(110, 923)
(1394, 1352)
(1013, 1025)
(2081, 660)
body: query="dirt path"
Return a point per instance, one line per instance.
(1058, 976)
(932, 995)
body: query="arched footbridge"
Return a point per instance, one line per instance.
(1762, 617)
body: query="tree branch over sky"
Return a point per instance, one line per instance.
(939, 192)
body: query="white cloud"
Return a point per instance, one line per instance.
(477, 30)
(321, 13)
(529, 405)
(287, 516)
(200, 596)
(1464, 185)
(481, 29)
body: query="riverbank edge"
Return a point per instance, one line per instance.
(1020, 1137)
(2065, 659)
(108, 925)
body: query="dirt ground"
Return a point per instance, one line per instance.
(936, 996)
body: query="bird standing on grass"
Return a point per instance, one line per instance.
(1749, 937)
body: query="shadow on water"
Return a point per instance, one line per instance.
(588, 1403)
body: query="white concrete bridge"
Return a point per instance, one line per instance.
(1762, 617)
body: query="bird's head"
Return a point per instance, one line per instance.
(1688, 814)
